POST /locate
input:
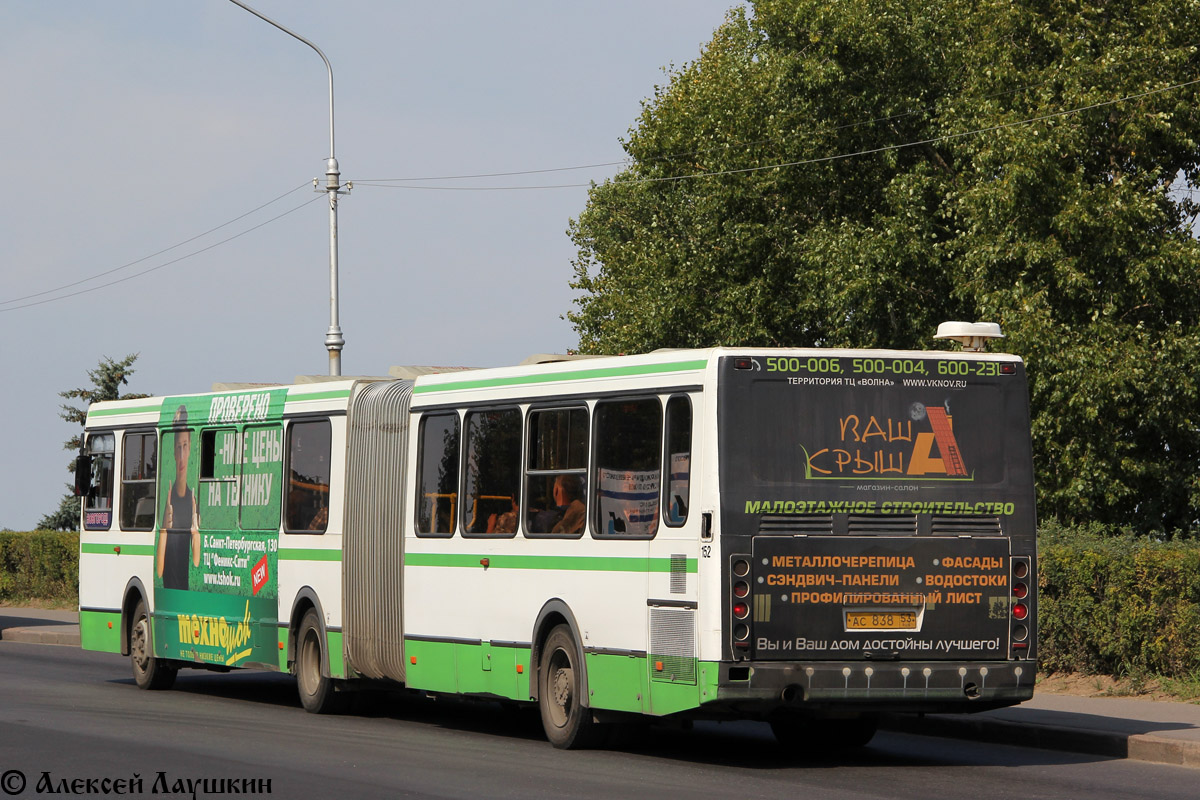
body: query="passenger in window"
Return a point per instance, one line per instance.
(321, 520)
(505, 522)
(543, 520)
(568, 496)
(181, 519)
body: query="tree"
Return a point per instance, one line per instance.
(107, 380)
(872, 167)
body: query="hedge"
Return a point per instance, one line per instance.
(1118, 604)
(1109, 603)
(41, 565)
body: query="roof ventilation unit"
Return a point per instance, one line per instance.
(973, 336)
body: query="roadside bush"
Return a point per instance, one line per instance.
(39, 565)
(1112, 603)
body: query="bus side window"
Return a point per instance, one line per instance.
(677, 462)
(217, 492)
(139, 469)
(628, 471)
(97, 504)
(556, 465)
(437, 474)
(308, 470)
(492, 472)
(262, 462)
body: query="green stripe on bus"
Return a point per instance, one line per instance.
(116, 412)
(571, 563)
(283, 641)
(309, 554)
(337, 657)
(467, 668)
(615, 682)
(100, 630)
(296, 397)
(577, 375)
(110, 549)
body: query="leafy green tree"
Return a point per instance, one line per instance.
(853, 173)
(107, 380)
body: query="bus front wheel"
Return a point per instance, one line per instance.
(567, 722)
(149, 672)
(317, 692)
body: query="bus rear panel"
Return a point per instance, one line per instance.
(879, 528)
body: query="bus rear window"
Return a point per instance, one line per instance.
(873, 433)
(842, 430)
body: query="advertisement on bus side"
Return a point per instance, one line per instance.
(216, 551)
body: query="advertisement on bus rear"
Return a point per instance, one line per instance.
(880, 598)
(875, 435)
(882, 497)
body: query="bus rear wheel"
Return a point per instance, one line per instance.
(796, 731)
(317, 691)
(148, 672)
(567, 722)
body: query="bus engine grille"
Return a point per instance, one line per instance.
(673, 645)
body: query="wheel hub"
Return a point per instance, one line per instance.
(138, 644)
(563, 679)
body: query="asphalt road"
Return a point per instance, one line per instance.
(67, 714)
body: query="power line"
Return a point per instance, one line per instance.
(164, 264)
(802, 162)
(408, 183)
(152, 255)
(379, 182)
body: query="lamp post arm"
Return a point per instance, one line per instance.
(328, 66)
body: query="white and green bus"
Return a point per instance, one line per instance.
(807, 537)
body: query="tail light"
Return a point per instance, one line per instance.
(1019, 610)
(739, 605)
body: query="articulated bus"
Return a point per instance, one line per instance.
(806, 537)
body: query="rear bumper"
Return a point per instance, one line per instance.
(917, 686)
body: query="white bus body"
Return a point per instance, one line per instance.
(804, 536)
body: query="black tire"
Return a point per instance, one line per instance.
(149, 672)
(807, 734)
(567, 721)
(318, 692)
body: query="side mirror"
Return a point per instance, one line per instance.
(83, 475)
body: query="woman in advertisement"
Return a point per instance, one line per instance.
(180, 533)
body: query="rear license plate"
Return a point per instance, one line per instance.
(881, 620)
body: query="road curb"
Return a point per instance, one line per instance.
(45, 634)
(1159, 749)
(1138, 747)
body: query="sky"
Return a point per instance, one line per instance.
(179, 141)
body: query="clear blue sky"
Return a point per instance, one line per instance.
(131, 126)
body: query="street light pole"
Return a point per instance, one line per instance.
(334, 342)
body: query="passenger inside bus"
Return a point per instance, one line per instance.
(565, 510)
(505, 521)
(568, 496)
